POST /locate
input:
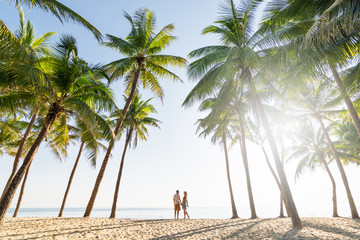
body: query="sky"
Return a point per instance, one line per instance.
(173, 157)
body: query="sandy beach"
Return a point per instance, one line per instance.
(103, 228)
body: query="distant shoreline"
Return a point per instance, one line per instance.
(104, 228)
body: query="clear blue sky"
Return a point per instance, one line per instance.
(173, 158)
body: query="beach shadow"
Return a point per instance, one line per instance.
(339, 231)
(196, 231)
(79, 230)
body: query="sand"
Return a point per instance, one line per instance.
(103, 228)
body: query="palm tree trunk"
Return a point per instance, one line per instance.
(21, 192)
(354, 115)
(281, 215)
(354, 212)
(70, 179)
(321, 156)
(101, 173)
(233, 207)
(20, 150)
(116, 193)
(246, 167)
(277, 183)
(10, 192)
(296, 221)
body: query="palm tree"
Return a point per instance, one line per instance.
(143, 63)
(219, 128)
(311, 153)
(238, 59)
(89, 136)
(73, 89)
(135, 122)
(317, 102)
(33, 50)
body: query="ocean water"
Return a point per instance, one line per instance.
(160, 213)
(125, 213)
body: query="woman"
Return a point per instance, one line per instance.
(185, 205)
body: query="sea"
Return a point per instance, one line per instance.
(158, 213)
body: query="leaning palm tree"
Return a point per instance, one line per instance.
(143, 64)
(237, 58)
(135, 123)
(310, 153)
(74, 89)
(220, 130)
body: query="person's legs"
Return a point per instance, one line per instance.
(184, 213)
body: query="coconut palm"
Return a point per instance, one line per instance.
(74, 89)
(238, 59)
(317, 102)
(135, 124)
(143, 63)
(310, 153)
(90, 137)
(220, 131)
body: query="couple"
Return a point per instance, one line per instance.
(177, 203)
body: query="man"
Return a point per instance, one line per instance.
(177, 202)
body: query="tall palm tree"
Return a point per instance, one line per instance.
(135, 123)
(90, 137)
(143, 64)
(238, 59)
(74, 88)
(310, 152)
(220, 131)
(317, 102)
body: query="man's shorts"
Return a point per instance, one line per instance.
(177, 207)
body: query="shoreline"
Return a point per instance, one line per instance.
(105, 228)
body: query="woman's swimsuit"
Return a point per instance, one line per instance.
(184, 203)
